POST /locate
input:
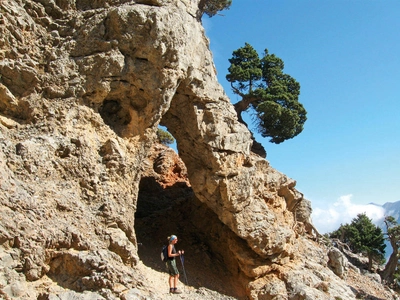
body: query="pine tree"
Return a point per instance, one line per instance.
(164, 137)
(212, 7)
(268, 92)
(367, 238)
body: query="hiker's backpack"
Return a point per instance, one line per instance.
(164, 253)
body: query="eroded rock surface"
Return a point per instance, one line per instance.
(83, 87)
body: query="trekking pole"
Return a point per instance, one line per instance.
(183, 267)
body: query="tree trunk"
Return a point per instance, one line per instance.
(369, 262)
(390, 268)
(240, 107)
(200, 12)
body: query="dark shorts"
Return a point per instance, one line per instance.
(171, 266)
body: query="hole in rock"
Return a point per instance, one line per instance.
(164, 210)
(115, 115)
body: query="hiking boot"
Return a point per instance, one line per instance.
(176, 291)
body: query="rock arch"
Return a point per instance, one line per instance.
(100, 79)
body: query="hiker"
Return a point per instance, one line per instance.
(171, 264)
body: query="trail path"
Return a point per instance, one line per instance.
(160, 289)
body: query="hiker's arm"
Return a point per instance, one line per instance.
(170, 254)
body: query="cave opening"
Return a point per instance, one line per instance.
(167, 205)
(115, 115)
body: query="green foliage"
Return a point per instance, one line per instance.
(365, 237)
(164, 137)
(245, 69)
(340, 234)
(396, 277)
(212, 7)
(271, 94)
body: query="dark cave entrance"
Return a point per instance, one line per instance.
(115, 115)
(165, 210)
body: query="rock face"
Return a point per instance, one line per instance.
(83, 88)
(337, 262)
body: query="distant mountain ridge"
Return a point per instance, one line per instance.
(391, 209)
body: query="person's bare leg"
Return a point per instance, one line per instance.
(176, 279)
(171, 283)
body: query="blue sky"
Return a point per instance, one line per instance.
(346, 56)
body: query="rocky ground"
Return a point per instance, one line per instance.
(159, 280)
(363, 286)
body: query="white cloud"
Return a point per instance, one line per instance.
(343, 211)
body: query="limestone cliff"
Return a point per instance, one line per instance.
(83, 87)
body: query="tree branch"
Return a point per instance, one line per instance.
(243, 105)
